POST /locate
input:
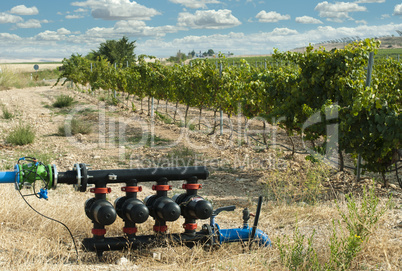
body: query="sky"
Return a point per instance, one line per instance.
(52, 30)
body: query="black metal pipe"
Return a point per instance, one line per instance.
(140, 174)
(120, 243)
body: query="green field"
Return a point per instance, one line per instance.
(260, 60)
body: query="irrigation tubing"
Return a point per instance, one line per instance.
(47, 217)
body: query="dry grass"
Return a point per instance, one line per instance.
(30, 241)
(13, 77)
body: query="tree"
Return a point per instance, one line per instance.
(116, 51)
(178, 58)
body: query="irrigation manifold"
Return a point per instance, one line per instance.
(161, 208)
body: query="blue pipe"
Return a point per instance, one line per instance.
(7, 176)
(243, 234)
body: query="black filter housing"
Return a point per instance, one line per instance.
(131, 209)
(194, 206)
(100, 211)
(163, 208)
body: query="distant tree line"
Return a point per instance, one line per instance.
(180, 57)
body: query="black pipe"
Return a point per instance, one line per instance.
(120, 243)
(140, 174)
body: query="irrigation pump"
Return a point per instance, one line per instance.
(189, 205)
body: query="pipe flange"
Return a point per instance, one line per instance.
(55, 177)
(77, 186)
(84, 178)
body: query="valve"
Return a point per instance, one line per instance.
(194, 206)
(31, 171)
(100, 211)
(131, 209)
(162, 208)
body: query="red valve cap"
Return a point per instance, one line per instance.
(160, 228)
(190, 226)
(130, 230)
(99, 232)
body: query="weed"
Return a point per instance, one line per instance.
(45, 157)
(7, 114)
(148, 141)
(166, 119)
(360, 222)
(344, 245)
(109, 100)
(23, 134)
(296, 256)
(297, 185)
(63, 101)
(182, 156)
(75, 126)
(190, 126)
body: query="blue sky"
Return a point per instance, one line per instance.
(52, 30)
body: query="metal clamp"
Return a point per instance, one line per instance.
(79, 177)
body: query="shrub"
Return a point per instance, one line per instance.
(21, 135)
(63, 101)
(76, 126)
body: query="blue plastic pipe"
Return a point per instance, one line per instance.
(7, 176)
(243, 234)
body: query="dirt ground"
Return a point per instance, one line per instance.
(239, 174)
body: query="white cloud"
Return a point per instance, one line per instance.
(370, 1)
(63, 31)
(80, 10)
(283, 32)
(271, 17)
(30, 24)
(385, 16)
(62, 43)
(59, 35)
(23, 10)
(208, 19)
(361, 21)
(307, 20)
(118, 9)
(339, 11)
(261, 42)
(398, 10)
(6, 18)
(7, 37)
(195, 3)
(130, 28)
(75, 16)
